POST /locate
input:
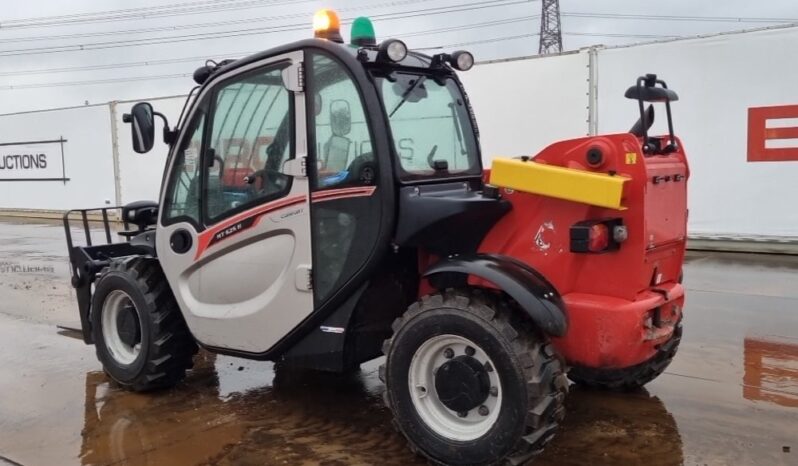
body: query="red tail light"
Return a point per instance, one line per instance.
(597, 235)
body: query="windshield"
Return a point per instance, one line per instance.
(431, 126)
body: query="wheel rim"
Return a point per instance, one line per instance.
(121, 325)
(442, 356)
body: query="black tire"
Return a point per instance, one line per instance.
(630, 378)
(166, 346)
(532, 378)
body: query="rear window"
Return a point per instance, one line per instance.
(430, 123)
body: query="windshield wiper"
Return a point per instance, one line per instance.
(406, 94)
(457, 129)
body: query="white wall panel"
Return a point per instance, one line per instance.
(88, 161)
(717, 78)
(522, 106)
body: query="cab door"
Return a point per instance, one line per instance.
(234, 233)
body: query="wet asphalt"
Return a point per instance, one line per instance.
(729, 398)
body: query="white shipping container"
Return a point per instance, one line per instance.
(718, 79)
(524, 105)
(86, 178)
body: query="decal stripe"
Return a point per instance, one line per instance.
(251, 217)
(343, 193)
(205, 238)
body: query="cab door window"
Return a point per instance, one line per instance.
(345, 212)
(182, 199)
(344, 154)
(251, 137)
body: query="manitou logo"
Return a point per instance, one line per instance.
(773, 133)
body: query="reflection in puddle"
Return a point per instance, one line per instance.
(605, 428)
(771, 371)
(300, 418)
(312, 418)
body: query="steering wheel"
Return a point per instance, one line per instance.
(269, 176)
(362, 170)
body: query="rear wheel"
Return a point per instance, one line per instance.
(630, 378)
(139, 334)
(470, 383)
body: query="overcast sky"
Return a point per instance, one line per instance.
(491, 29)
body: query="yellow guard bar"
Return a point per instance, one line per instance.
(570, 184)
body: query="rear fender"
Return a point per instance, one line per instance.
(533, 293)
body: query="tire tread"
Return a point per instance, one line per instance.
(171, 347)
(536, 356)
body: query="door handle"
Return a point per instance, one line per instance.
(180, 241)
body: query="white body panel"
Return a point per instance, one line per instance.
(242, 293)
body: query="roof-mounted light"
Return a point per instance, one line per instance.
(327, 25)
(462, 60)
(363, 32)
(392, 50)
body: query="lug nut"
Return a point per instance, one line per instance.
(470, 351)
(448, 353)
(483, 410)
(494, 391)
(462, 413)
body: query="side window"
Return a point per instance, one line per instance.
(344, 154)
(251, 136)
(182, 199)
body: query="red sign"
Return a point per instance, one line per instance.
(759, 134)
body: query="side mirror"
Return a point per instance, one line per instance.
(142, 128)
(340, 117)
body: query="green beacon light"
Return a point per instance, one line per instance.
(363, 32)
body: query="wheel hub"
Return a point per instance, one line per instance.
(121, 327)
(454, 387)
(462, 383)
(127, 326)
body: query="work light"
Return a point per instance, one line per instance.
(462, 60)
(392, 49)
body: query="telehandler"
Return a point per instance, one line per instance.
(324, 204)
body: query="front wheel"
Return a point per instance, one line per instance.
(139, 334)
(470, 383)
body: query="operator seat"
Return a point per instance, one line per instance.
(336, 149)
(143, 214)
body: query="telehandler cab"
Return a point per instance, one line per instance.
(325, 203)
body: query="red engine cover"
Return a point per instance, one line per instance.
(610, 296)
